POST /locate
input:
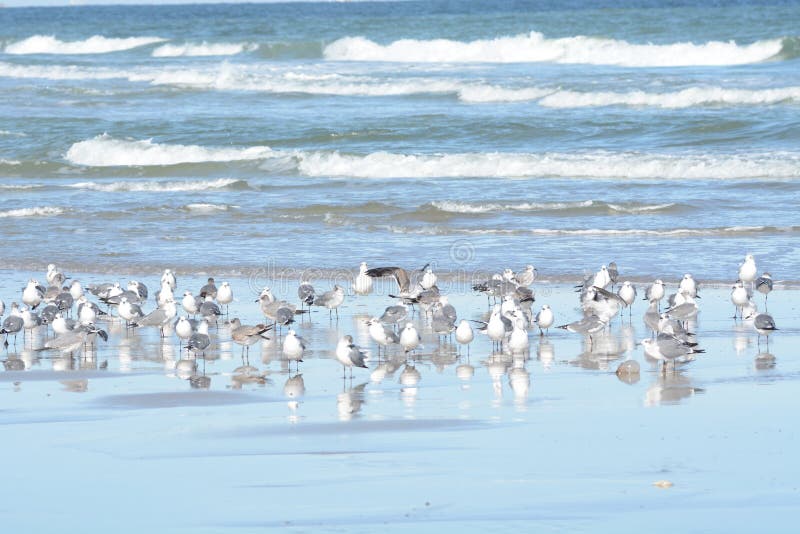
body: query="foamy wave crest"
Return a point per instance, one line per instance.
(587, 165)
(586, 205)
(729, 231)
(97, 44)
(20, 187)
(465, 207)
(9, 162)
(41, 211)
(208, 208)
(105, 151)
(202, 49)
(693, 96)
(676, 232)
(493, 93)
(148, 186)
(535, 47)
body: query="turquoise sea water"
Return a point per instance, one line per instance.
(473, 134)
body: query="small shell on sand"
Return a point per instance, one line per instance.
(663, 484)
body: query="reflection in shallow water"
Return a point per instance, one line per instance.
(765, 360)
(507, 380)
(545, 353)
(670, 388)
(520, 381)
(76, 386)
(350, 401)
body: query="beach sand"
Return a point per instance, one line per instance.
(121, 441)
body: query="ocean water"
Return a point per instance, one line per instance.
(475, 135)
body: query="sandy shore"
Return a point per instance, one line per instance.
(119, 439)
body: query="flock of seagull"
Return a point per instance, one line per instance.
(67, 310)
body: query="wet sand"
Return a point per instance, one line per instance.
(120, 440)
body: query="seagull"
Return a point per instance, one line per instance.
(518, 342)
(189, 303)
(169, 278)
(246, 335)
(11, 325)
(464, 334)
(349, 355)
(33, 294)
(71, 341)
(76, 290)
(184, 330)
(428, 279)
(764, 324)
(159, 317)
(395, 314)
(748, 270)
(685, 311)
(129, 311)
(401, 277)
(526, 277)
(293, 347)
(740, 298)
(655, 292)
(331, 299)
(139, 288)
(200, 340)
(602, 278)
(444, 318)
(62, 325)
(382, 335)
(590, 324)
(225, 295)
(54, 276)
(667, 348)
(688, 285)
(627, 292)
(544, 319)
(613, 273)
(498, 326)
(306, 293)
(764, 286)
(363, 282)
(209, 308)
(209, 290)
(409, 338)
(88, 311)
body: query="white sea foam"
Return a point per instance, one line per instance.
(105, 151)
(9, 133)
(692, 96)
(97, 44)
(9, 162)
(158, 186)
(730, 231)
(535, 47)
(40, 211)
(640, 209)
(20, 187)
(202, 207)
(464, 207)
(202, 49)
(493, 93)
(585, 165)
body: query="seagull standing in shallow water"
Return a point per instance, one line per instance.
(349, 355)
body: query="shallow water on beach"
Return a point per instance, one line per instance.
(119, 439)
